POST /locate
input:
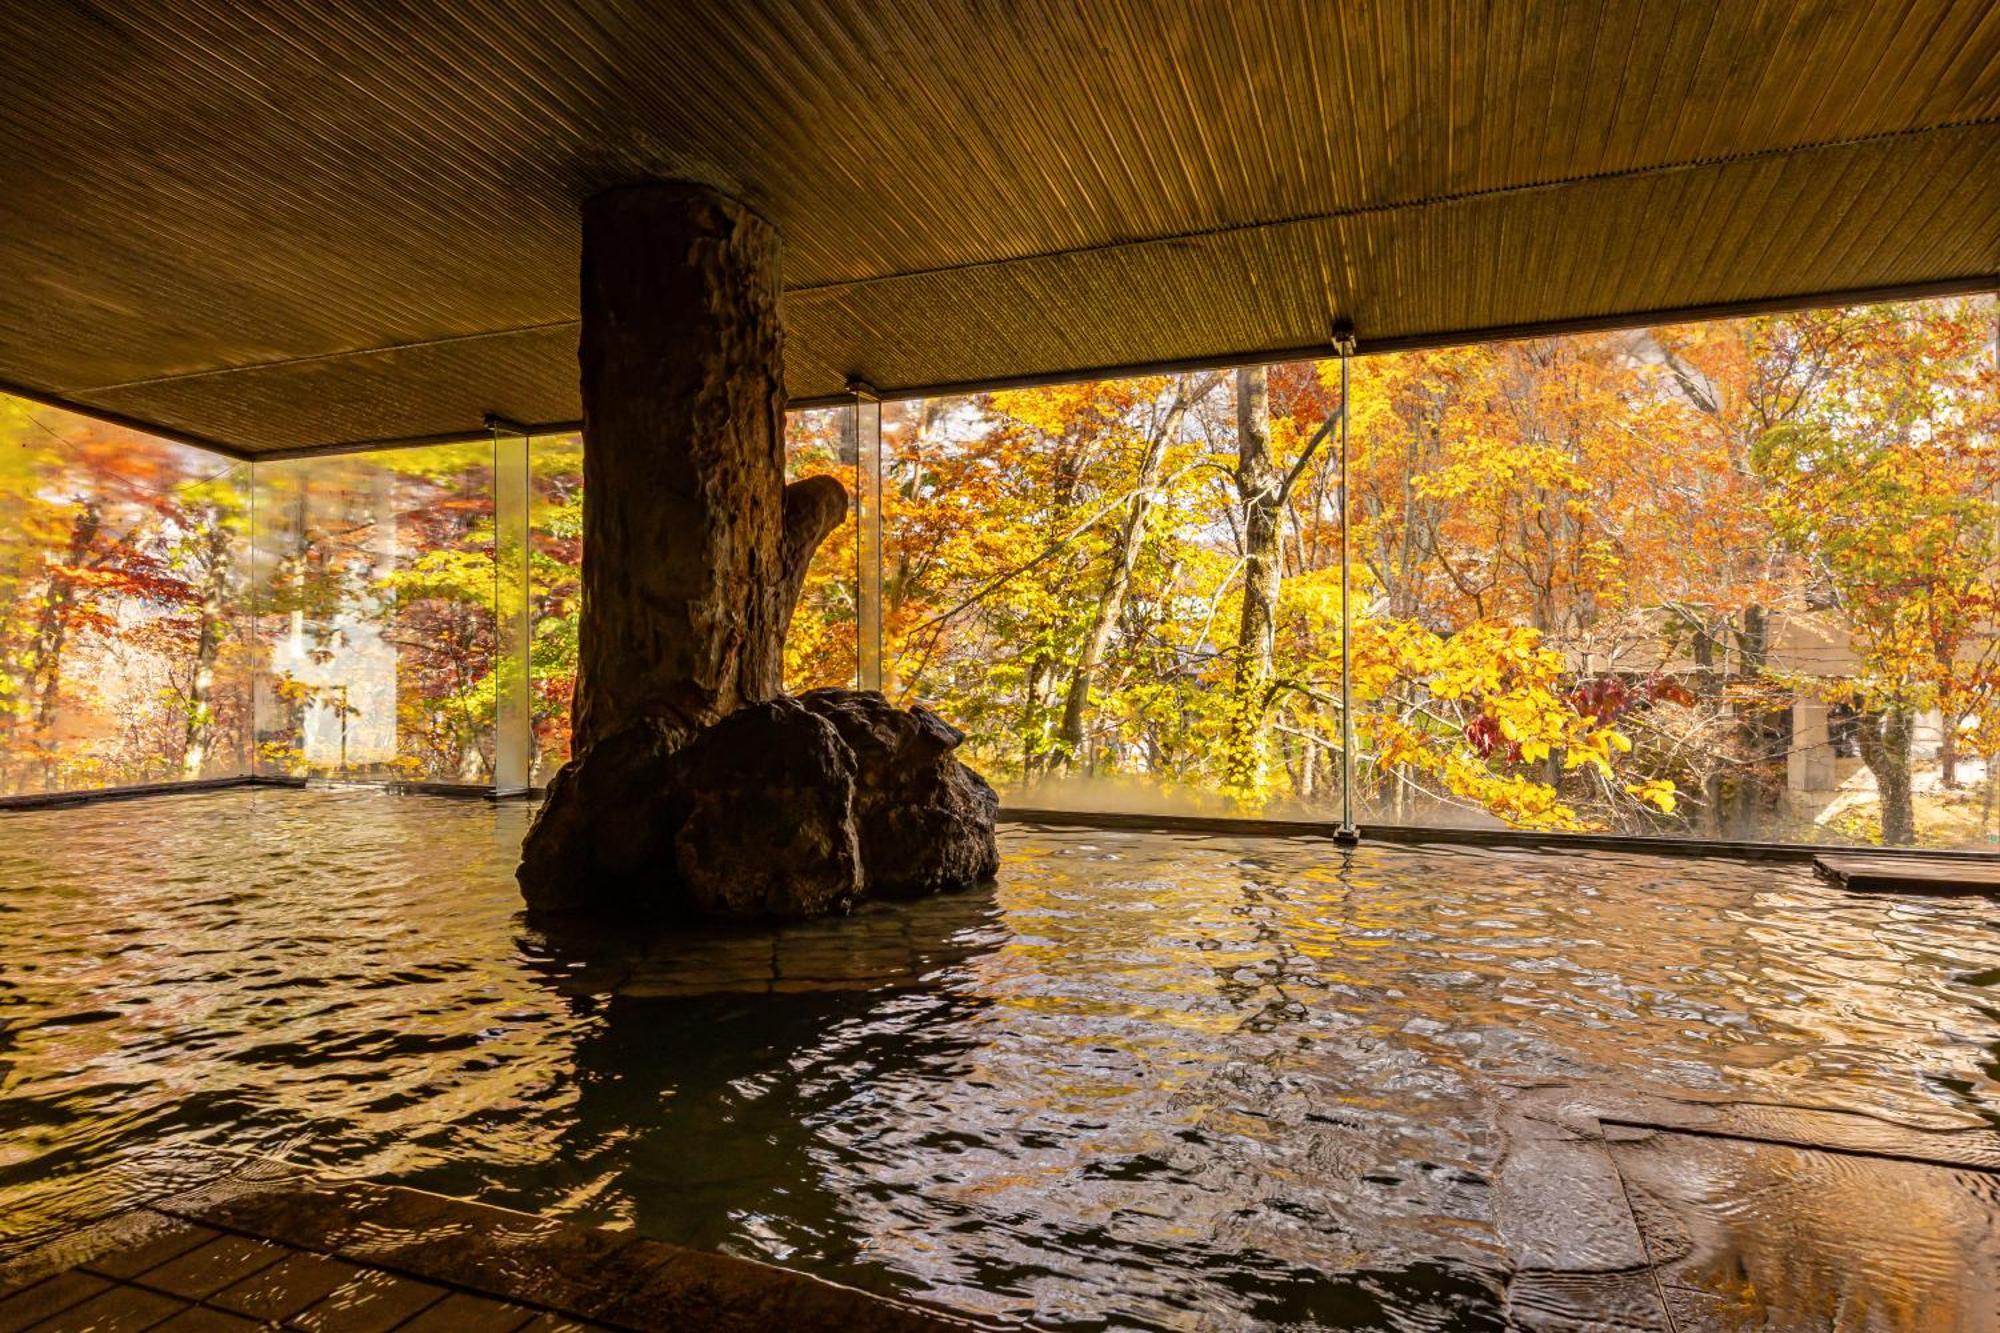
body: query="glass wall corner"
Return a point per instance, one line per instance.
(122, 655)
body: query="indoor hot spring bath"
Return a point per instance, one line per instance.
(1143, 1081)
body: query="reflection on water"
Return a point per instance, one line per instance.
(1166, 1081)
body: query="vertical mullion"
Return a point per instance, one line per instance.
(253, 641)
(867, 409)
(1343, 342)
(513, 731)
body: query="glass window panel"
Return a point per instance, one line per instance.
(512, 721)
(867, 536)
(121, 579)
(1066, 576)
(1726, 580)
(375, 586)
(821, 648)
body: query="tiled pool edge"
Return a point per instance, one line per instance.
(555, 1274)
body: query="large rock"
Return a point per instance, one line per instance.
(786, 809)
(924, 819)
(597, 844)
(767, 824)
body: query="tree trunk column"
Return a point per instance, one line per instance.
(684, 563)
(696, 789)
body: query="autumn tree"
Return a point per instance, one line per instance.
(116, 602)
(555, 551)
(1148, 429)
(1265, 485)
(1886, 483)
(1594, 580)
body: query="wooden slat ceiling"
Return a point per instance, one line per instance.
(289, 224)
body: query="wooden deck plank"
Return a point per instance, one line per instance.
(274, 1241)
(1911, 874)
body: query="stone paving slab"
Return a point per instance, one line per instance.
(1820, 1130)
(1758, 1235)
(1626, 1212)
(266, 1246)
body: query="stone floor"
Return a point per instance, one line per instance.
(266, 1246)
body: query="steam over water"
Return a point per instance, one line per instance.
(1145, 1081)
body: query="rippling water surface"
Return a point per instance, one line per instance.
(1146, 1080)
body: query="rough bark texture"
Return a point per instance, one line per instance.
(814, 507)
(683, 461)
(786, 809)
(1261, 488)
(697, 790)
(1125, 554)
(1885, 747)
